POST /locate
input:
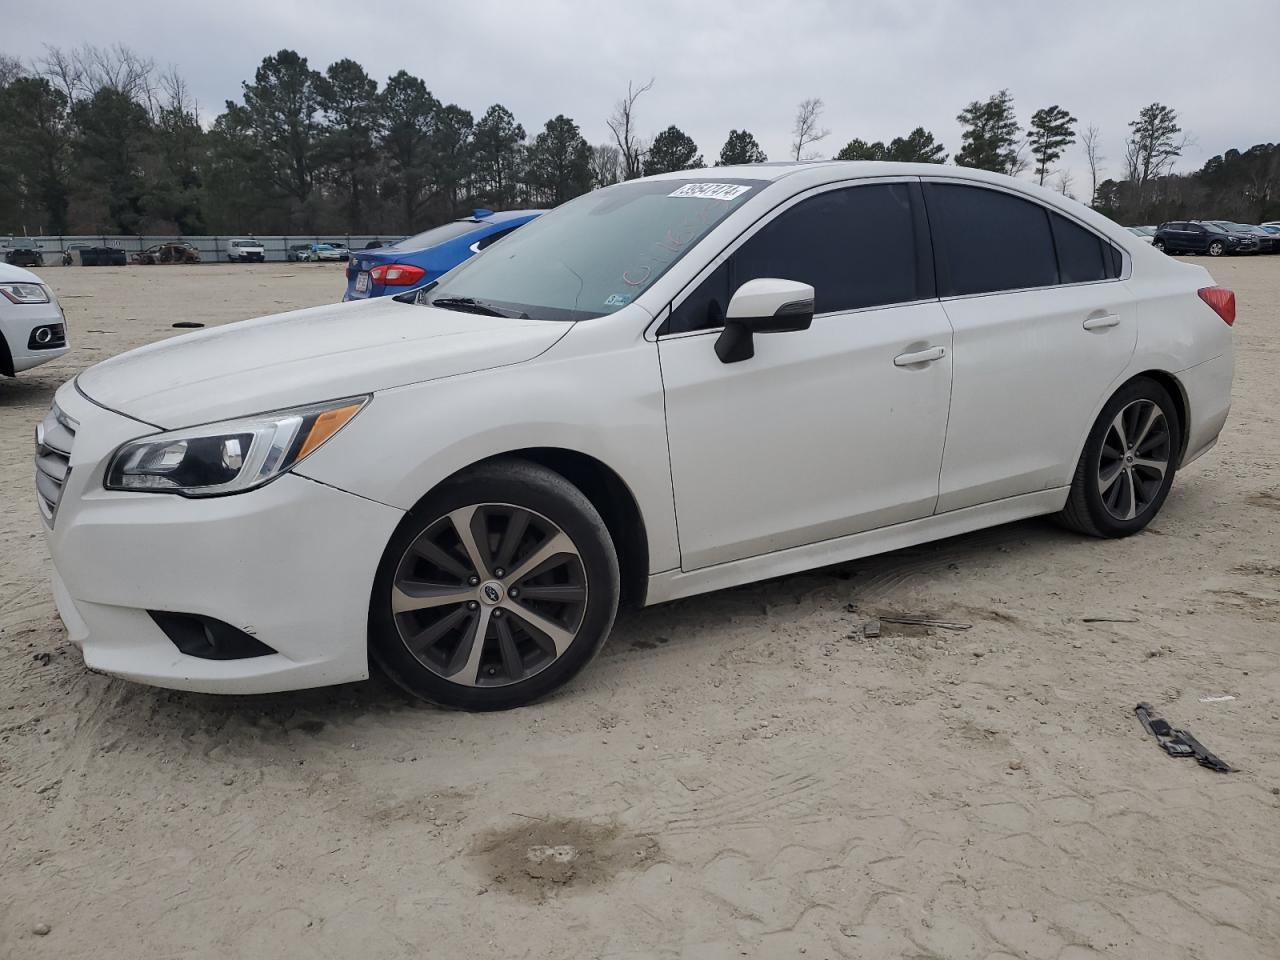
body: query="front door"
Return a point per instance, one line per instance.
(824, 432)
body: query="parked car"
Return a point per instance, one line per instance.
(1196, 236)
(668, 386)
(298, 252)
(245, 251)
(1145, 234)
(1266, 243)
(324, 251)
(102, 257)
(343, 252)
(33, 329)
(421, 259)
(174, 251)
(24, 257)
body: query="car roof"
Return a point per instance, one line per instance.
(774, 170)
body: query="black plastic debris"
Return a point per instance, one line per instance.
(188, 325)
(1178, 743)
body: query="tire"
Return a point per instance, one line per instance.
(528, 647)
(1159, 245)
(1217, 248)
(1114, 492)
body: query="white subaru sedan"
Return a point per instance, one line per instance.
(664, 387)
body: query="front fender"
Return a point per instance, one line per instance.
(607, 405)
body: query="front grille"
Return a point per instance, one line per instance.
(54, 436)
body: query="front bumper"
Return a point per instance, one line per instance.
(18, 325)
(291, 563)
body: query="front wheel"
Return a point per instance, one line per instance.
(495, 590)
(1127, 466)
(1217, 249)
(1159, 245)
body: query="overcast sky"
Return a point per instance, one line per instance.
(881, 66)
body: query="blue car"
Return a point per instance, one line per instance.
(418, 260)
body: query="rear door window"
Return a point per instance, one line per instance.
(987, 241)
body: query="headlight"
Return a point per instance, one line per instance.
(228, 457)
(24, 292)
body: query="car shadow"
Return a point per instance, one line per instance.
(338, 710)
(27, 390)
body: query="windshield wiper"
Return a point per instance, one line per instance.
(472, 305)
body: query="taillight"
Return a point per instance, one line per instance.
(1222, 300)
(397, 274)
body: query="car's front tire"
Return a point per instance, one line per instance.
(1159, 245)
(1128, 463)
(495, 590)
(1217, 248)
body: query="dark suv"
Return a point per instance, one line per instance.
(1195, 236)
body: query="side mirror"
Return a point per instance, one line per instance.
(766, 305)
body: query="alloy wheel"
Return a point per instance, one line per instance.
(1216, 248)
(1136, 454)
(489, 595)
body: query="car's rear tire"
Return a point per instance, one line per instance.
(509, 556)
(1159, 245)
(1128, 463)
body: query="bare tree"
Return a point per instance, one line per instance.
(606, 163)
(1093, 155)
(177, 93)
(1064, 184)
(87, 69)
(11, 69)
(1018, 160)
(623, 126)
(806, 129)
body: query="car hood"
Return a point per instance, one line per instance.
(11, 274)
(306, 356)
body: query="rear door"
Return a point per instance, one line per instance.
(1043, 327)
(824, 432)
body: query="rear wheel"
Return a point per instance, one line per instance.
(1159, 245)
(495, 590)
(1127, 466)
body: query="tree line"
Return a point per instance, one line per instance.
(99, 140)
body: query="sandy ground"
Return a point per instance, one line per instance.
(740, 774)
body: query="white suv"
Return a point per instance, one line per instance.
(668, 386)
(245, 251)
(33, 329)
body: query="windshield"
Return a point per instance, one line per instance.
(438, 235)
(594, 255)
(1213, 227)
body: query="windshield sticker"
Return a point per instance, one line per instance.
(710, 191)
(617, 300)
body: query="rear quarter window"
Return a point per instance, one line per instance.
(1083, 256)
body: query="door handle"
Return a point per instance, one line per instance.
(1102, 321)
(920, 356)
